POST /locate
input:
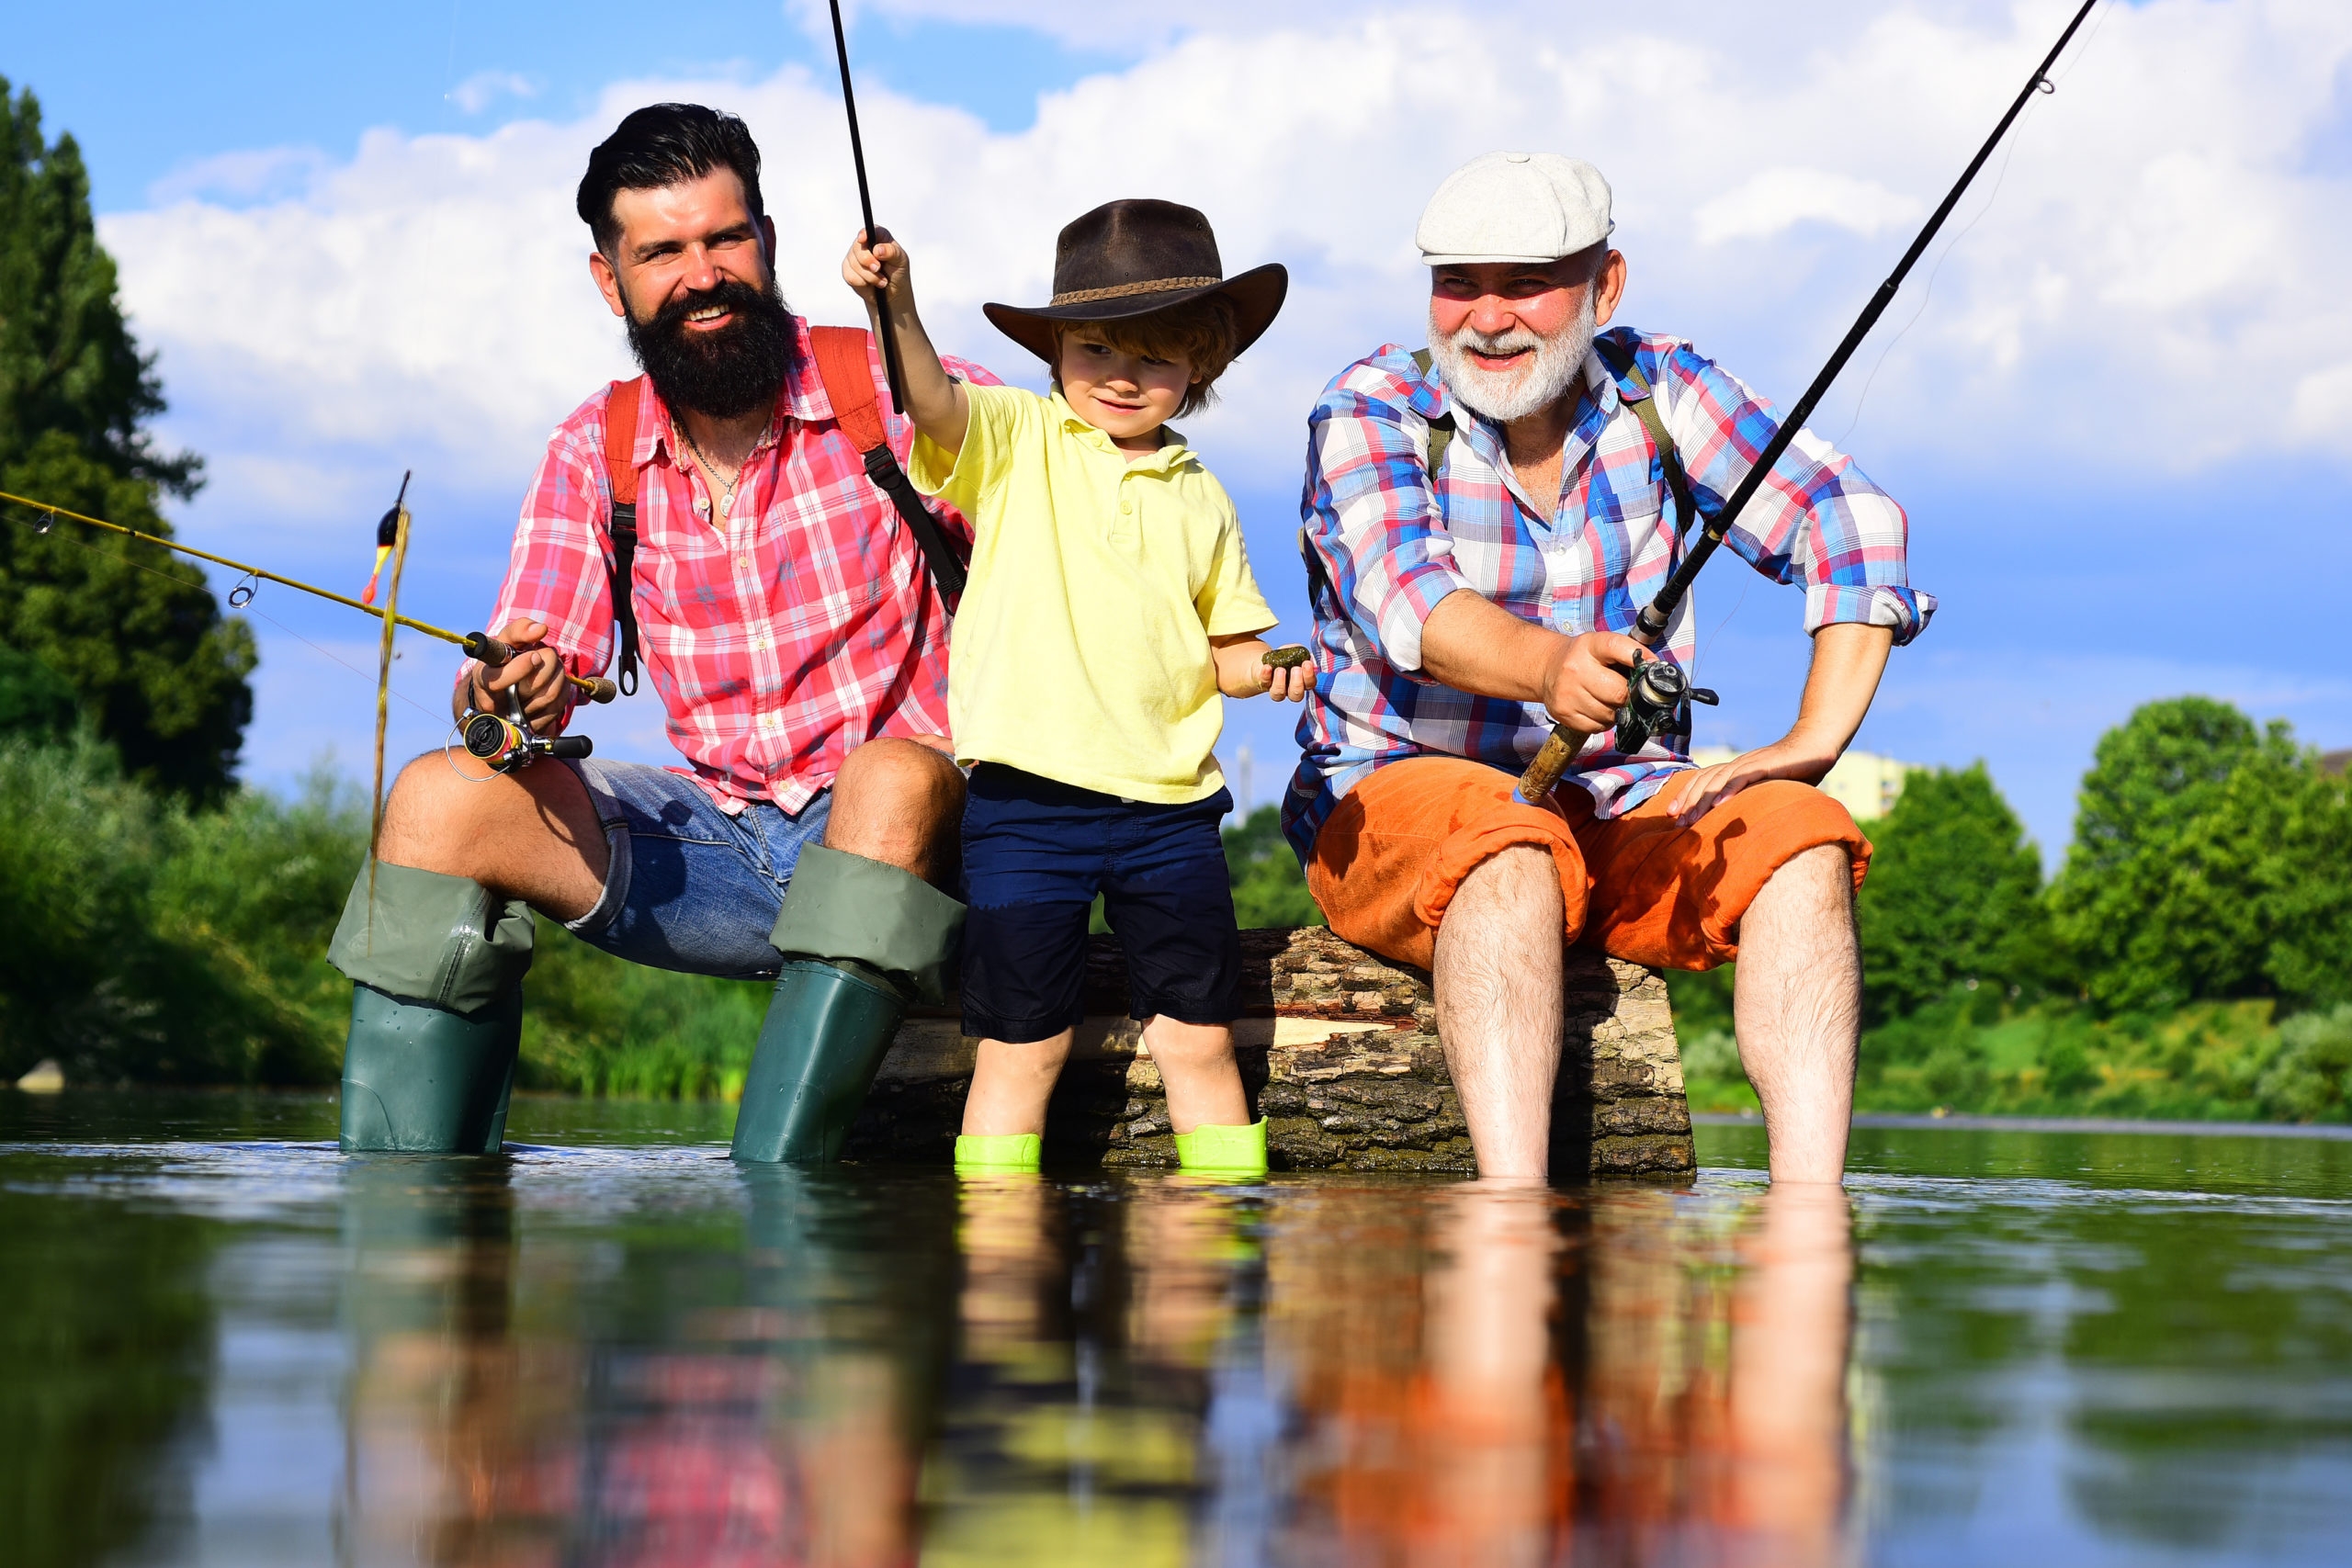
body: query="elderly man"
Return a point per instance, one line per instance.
(1484, 520)
(721, 509)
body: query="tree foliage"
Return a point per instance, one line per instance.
(1953, 894)
(1268, 887)
(2209, 862)
(134, 632)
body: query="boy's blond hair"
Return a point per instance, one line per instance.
(1203, 331)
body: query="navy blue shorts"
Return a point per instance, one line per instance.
(1037, 852)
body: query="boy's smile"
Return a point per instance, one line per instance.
(1127, 396)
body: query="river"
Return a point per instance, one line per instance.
(220, 1343)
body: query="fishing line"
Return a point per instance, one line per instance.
(1927, 293)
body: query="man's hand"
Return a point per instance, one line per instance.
(1584, 686)
(1694, 794)
(535, 670)
(1474, 646)
(1848, 661)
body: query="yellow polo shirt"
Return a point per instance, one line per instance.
(1082, 648)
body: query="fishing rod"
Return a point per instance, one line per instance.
(1660, 693)
(865, 210)
(479, 646)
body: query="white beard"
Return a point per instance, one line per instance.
(1515, 394)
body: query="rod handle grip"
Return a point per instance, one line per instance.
(1559, 749)
(599, 689)
(487, 648)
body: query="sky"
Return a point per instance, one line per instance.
(2115, 399)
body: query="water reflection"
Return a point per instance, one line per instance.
(247, 1354)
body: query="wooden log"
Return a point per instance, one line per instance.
(1339, 1050)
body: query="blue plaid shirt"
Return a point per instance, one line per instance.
(1384, 545)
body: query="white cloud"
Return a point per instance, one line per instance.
(1781, 199)
(2147, 279)
(483, 89)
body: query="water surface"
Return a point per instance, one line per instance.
(222, 1343)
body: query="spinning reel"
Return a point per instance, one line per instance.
(1658, 698)
(507, 742)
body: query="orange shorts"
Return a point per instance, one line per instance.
(1638, 886)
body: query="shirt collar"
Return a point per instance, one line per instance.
(1172, 454)
(1432, 398)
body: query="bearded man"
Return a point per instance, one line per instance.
(798, 646)
(1483, 524)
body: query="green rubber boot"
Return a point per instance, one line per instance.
(1233, 1154)
(860, 939)
(999, 1153)
(826, 1033)
(437, 1012)
(425, 1080)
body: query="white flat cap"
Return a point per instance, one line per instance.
(1515, 207)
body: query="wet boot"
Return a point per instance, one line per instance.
(860, 939)
(437, 1012)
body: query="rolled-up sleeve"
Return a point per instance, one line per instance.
(1368, 514)
(1818, 521)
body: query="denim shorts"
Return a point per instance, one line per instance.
(1037, 852)
(690, 887)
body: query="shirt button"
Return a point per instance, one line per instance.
(1126, 506)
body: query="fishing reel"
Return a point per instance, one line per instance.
(1658, 698)
(507, 742)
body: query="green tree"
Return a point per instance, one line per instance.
(1953, 894)
(136, 633)
(1268, 887)
(2192, 839)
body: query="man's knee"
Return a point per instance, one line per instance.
(904, 775)
(436, 821)
(1822, 875)
(1519, 878)
(897, 801)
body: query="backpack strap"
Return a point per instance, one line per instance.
(620, 472)
(1645, 409)
(845, 365)
(1440, 428)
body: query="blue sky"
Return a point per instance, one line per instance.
(2120, 419)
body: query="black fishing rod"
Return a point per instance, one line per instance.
(1658, 693)
(865, 210)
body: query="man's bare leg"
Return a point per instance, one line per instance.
(900, 802)
(530, 834)
(1497, 980)
(1797, 1007)
(533, 835)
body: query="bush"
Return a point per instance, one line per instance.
(2310, 1079)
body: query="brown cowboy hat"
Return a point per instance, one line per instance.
(1130, 258)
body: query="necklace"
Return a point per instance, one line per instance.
(710, 472)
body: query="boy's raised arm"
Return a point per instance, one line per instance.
(935, 398)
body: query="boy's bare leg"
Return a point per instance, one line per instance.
(1011, 1084)
(1197, 1066)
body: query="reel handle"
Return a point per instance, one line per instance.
(570, 746)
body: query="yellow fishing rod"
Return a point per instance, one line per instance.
(479, 646)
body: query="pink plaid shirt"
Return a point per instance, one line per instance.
(778, 639)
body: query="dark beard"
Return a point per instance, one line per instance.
(725, 374)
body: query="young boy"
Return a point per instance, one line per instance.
(1110, 603)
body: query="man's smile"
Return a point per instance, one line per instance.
(709, 317)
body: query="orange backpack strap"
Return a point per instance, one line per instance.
(845, 365)
(620, 472)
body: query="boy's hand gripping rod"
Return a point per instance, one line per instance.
(1561, 745)
(479, 646)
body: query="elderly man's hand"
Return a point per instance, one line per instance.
(1584, 685)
